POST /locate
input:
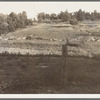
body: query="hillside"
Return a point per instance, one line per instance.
(48, 39)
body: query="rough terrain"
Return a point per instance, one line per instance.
(48, 39)
(27, 72)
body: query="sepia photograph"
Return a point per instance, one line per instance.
(49, 47)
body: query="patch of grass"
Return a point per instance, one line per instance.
(27, 75)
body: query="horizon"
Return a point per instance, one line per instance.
(33, 8)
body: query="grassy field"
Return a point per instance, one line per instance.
(42, 74)
(24, 71)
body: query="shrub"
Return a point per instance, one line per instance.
(73, 21)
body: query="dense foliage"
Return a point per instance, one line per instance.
(13, 21)
(72, 18)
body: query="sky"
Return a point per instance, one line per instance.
(33, 8)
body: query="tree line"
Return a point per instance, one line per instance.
(13, 21)
(72, 18)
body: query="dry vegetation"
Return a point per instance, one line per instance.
(42, 74)
(49, 38)
(22, 73)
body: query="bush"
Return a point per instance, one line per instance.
(73, 21)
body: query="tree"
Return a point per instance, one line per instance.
(87, 16)
(14, 19)
(94, 15)
(41, 16)
(47, 16)
(53, 16)
(21, 21)
(11, 26)
(3, 24)
(24, 16)
(80, 15)
(64, 16)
